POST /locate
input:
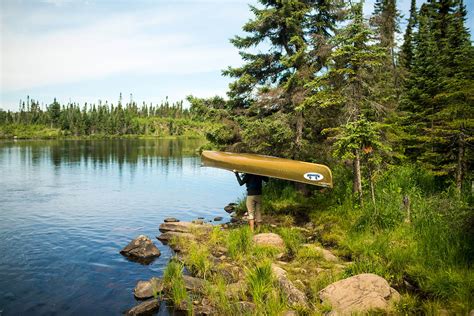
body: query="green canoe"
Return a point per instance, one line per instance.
(280, 168)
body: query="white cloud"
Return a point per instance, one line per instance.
(116, 45)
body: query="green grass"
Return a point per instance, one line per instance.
(239, 242)
(434, 251)
(33, 131)
(260, 282)
(197, 260)
(173, 281)
(293, 239)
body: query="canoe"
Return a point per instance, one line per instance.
(273, 167)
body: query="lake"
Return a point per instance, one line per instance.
(68, 207)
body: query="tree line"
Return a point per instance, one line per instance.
(102, 118)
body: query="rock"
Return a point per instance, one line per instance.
(289, 313)
(471, 313)
(141, 249)
(294, 295)
(145, 308)
(169, 236)
(236, 290)
(171, 220)
(229, 208)
(198, 221)
(234, 220)
(219, 251)
(246, 308)
(359, 294)
(193, 284)
(217, 219)
(202, 310)
(200, 217)
(269, 239)
(146, 289)
(184, 227)
(326, 254)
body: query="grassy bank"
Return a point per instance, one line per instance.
(425, 252)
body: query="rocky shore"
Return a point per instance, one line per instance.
(224, 269)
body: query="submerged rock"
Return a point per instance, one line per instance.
(141, 249)
(184, 227)
(145, 308)
(147, 289)
(229, 208)
(217, 219)
(294, 295)
(269, 239)
(359, 294)
(171, 220)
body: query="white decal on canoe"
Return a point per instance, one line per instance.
(313, 176)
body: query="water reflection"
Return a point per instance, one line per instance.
(103, 153)
(68, 207)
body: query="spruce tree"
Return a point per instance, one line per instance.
(348, 81)
(406, 51)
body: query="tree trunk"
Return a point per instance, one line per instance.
(299, 130)
(372, 188)
(357, 185)
(459, 167)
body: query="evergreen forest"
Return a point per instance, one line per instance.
(386, 101)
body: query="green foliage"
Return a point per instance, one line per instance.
(103, 120)
(239, 242)
(197, 260)
(358, 135)
(174, 282)
(270, 136)
(433, 251)
(260, 282)
(293, 239)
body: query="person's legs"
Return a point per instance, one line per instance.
(258, 209)
(251, 210)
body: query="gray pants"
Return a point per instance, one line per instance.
(254, 207)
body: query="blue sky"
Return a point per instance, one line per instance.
(86, 50)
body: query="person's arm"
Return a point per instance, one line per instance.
(241, 181)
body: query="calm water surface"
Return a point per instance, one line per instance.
(68, 207)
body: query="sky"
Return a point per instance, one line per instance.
(90, 50)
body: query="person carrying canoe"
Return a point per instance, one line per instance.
(254, 196)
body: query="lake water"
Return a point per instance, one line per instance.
(68, 207)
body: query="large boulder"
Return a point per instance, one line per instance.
(269, 239)
(141, 249)
(359, 294)
(145, 308)
(294, 295)
(147, 289)
(184, 227)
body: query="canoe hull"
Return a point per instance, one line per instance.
(280, 168)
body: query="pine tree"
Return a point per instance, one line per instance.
(347, 82)
(406, 52)
(274, 81)
(438, 104)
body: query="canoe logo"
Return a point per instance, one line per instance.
(313, 176)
